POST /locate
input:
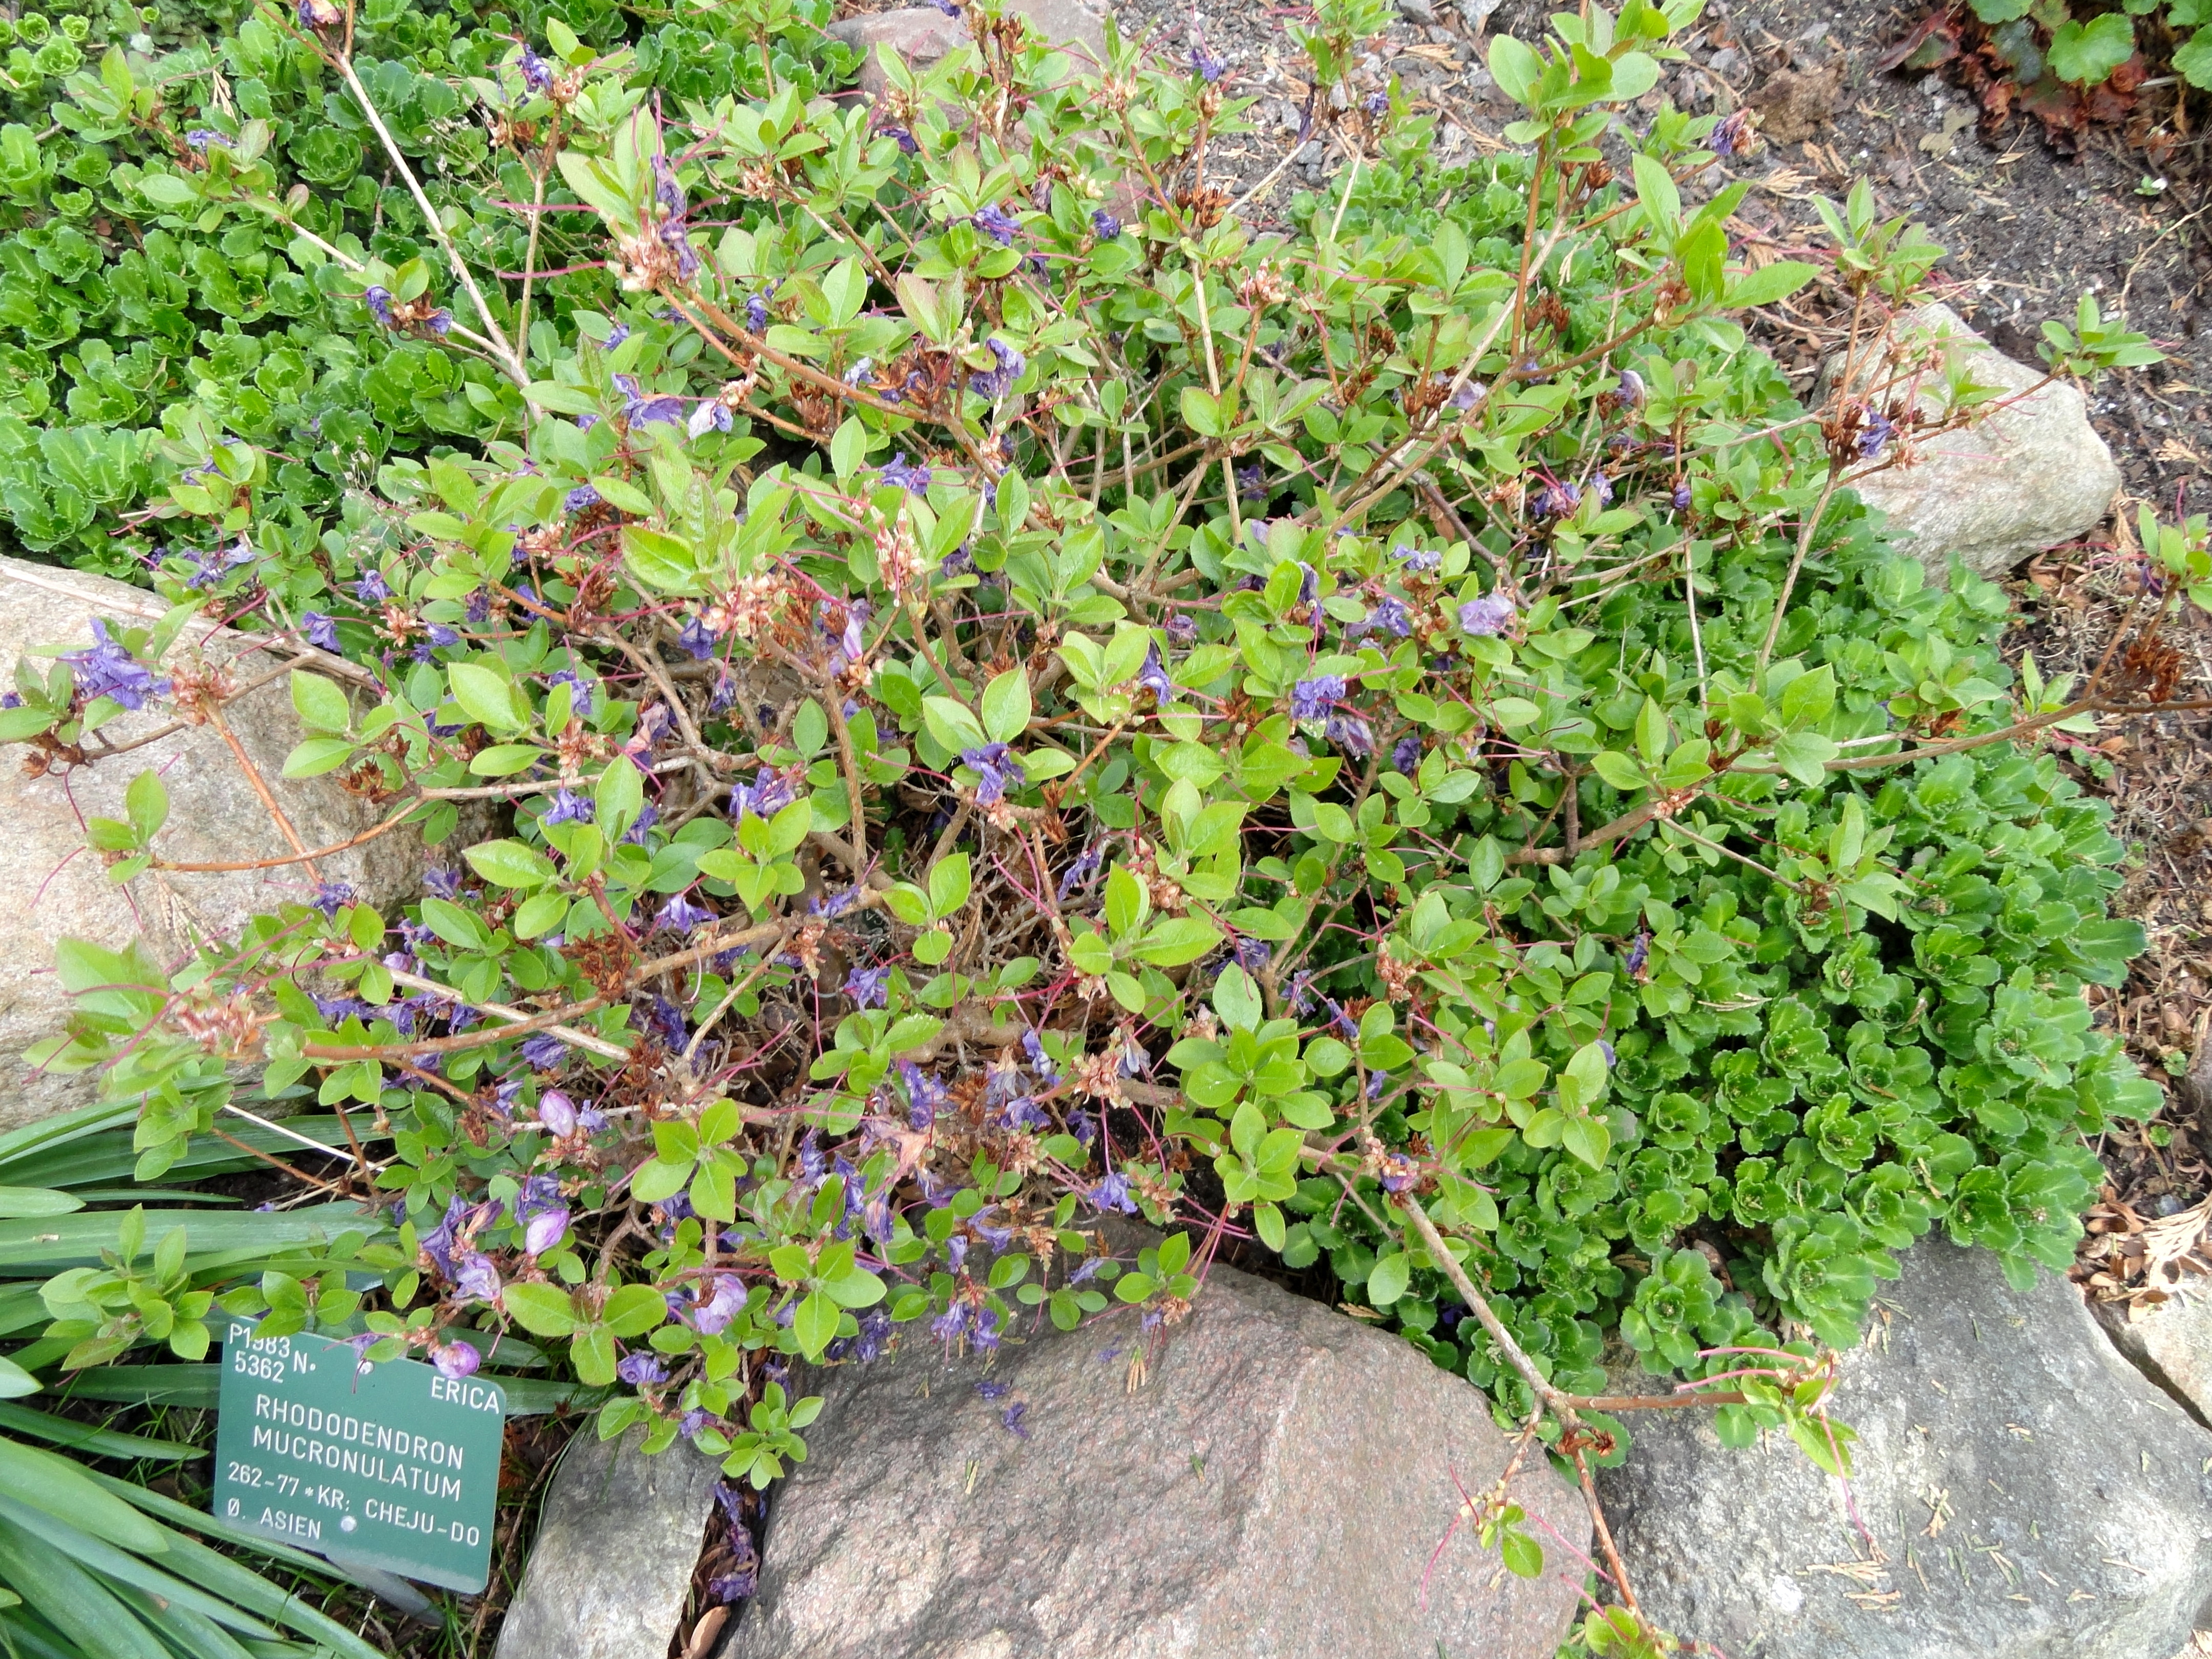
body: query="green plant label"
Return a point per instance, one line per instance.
(392, 1466)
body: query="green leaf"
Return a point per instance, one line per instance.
(541, 1309)
(319, 703)
(1237, 999)
(1388, 1278)
(815, 1324)
(1769, 283)
(57, 1486)
(2087, 53)
(510, 864)
(952, 725)
(1805, 756)
(949, 885)
(1007, 706)
(490, 699)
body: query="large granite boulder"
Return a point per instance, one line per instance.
(2020, 1492)
(51, 887)
(923, 34)
(616, 1543)
(1271, 1486)
(1996, 493)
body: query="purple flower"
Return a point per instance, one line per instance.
(1040, 1062)
(1389, 616)
(106, 670)
(991, 382)
(1877, 431)
(994, 1390)
(1556, 500)
(868, 987)
(456, 1358)
(1376, 103)
(1682, 496)
(320, 631)
(439, 322)
(757, 309)
(331, 897)
(372, 589)
(537, 73)
(581, 691)
(1153, 676)
(997, 225)
(211, 566)
(1639, 952)
(544, 1051)
(1207, 66)
(1310, 700)
(1406, 755)
(378, 299)
(201, 137)
(1421, 561)
(443, 883)
(1080, 873)
(914, 480)
(1113, 1194)
(946, 7)
(647, 815)
(640, 409)
(1606, 1048)
(583, 496)
(713, 415)
(568, 807)
(641, 1369)
(1349, 733)
(1488, 616)
(696, 639)
(476, 1279)
(680, 915)
(1103, 225)
(712, 1316)
(1252, 954)
(1023, 1113)
(1731, 135)
(1012, 1417)
(926, 1095)
(900, 136)
(556, 1114)
(769, 793)
(996, 767)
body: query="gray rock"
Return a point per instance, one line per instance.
(1475, 13)
(616, 1543)
(1996, 493)
(2172, 1345)
(1418, 11)
(2025, 1493)
(1273, 1491)
(51, 887)
(922, 34)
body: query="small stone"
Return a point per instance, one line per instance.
(2028, 1495)
(1275, 1487)
(52, 888)
(922, 34)
(2009, 486)
(1418, 11)
(2172, 1345)
(1475, 13)
(616, 1543)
